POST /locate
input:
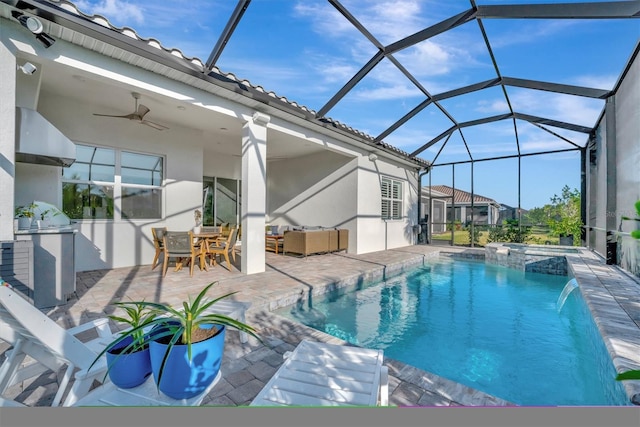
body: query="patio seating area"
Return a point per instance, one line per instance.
(248, 367)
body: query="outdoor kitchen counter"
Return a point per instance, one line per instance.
(49, 230)
(54, 267)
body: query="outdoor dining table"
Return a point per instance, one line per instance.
(207, 238)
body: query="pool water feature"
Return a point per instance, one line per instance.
(489, 327)
(566, 291)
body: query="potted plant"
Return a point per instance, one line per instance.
(185, 344)
(25, 215)
(128, 360)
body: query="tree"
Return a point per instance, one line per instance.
(564, 214)
(537, 215)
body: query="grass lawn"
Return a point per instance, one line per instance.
(461, 237)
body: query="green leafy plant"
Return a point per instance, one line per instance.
(26, 211)
(178, 326)
(43, 214)
(474, 233)
(635, 233)
(137, 317)
(564, 214)
(510, 231)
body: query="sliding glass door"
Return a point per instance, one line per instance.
(220, 201)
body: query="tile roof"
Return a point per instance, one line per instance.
(70, 7)
(460, 195)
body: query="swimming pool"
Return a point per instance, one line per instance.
(489, 327)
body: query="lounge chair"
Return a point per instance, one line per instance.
(320, 374)
(49, 347)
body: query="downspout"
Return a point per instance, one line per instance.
(420, 175)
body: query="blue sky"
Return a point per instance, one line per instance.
(306, 51)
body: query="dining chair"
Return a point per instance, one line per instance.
(224, 248)
(158, 243)
(180, 245)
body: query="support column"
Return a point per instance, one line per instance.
(8, 66)
(612, 188)
(254, 193)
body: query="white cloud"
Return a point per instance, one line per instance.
(387, 92)
(388, 22)
(567, 108)
(113, 9)
(597, 82)
(530, 32)
(492, 106)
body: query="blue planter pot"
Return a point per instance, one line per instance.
(183, 378)
(128, 370)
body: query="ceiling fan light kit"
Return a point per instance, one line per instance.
(138, 114)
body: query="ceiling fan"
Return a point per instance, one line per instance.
(137, 115)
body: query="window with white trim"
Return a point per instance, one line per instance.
(107, 183)
(391, 198)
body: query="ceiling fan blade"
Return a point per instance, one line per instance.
(142, 110)
(138, 115)
(126, 116)
(153, 125)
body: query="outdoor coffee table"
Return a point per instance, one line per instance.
(273, 241)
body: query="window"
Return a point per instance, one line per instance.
(105, 183)
(391, 199)
(458, 213)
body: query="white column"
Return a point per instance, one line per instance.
(8, 66)
(254, 193)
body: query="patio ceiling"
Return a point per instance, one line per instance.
(440, 108)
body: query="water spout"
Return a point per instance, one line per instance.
(570, 286)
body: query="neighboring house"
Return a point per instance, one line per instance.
(509, 212)
(448, 206)
(254, 157)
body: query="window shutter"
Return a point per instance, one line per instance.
(397, 190)
(386, 209)
(397, 210)
(386, 188)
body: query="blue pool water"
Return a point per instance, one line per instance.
(489, 327)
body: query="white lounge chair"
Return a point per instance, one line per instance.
(49, 347)
(320, 374)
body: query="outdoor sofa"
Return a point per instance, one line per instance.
(315, 241)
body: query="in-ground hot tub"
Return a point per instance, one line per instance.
(549, 259)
